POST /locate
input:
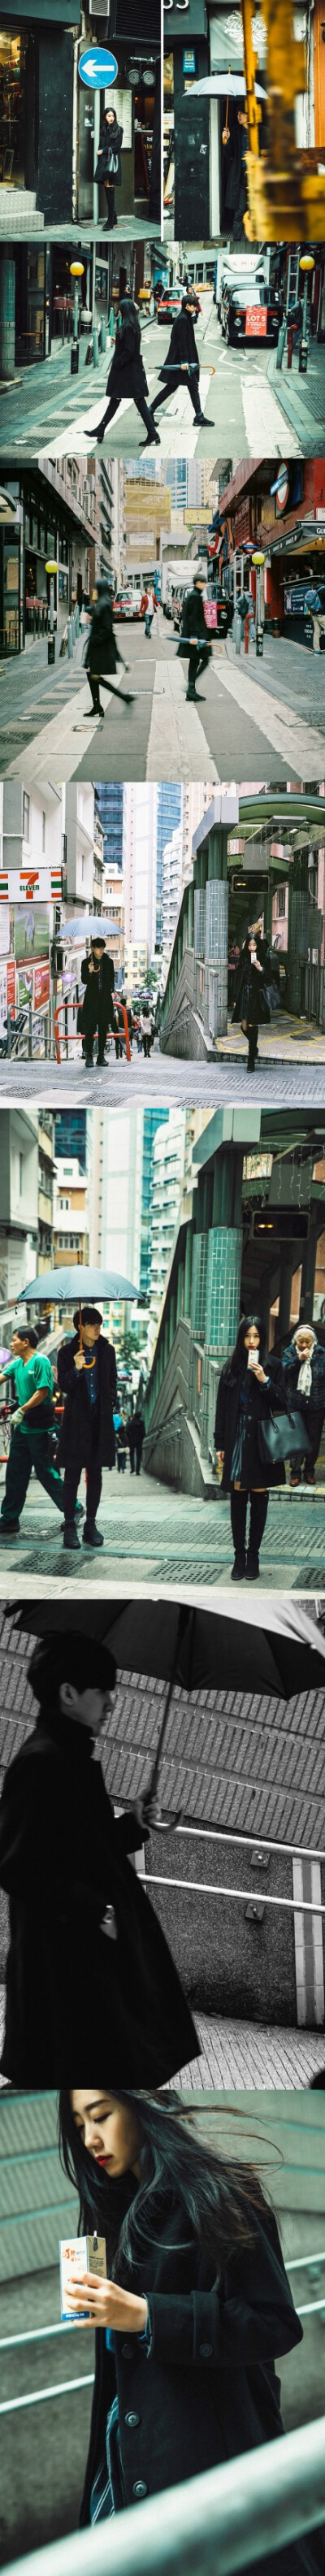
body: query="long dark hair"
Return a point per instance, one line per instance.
(215, 2196)
(235, 1365)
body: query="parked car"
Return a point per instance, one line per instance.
(170, 303)
(248, 313)
(128, 604)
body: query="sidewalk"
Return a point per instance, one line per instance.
(245, 2055)
(287, 1040)
(302, 398)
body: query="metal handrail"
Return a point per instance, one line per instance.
(247, 1895)
(229, 2518)
(41, 2334)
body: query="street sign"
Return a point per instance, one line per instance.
(256, 322)
(97, 68)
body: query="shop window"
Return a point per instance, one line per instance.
(281, 903)
(12, 109)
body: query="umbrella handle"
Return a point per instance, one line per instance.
(225, 130)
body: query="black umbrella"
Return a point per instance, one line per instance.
(200, 1649)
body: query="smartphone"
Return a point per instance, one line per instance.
(253, 1359)
(79, 2254)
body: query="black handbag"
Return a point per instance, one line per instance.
(282, 1435)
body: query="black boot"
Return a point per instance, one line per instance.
(70, 1535)
(91, 1536)
(252, 1050)
(259, 1510)
(238, 1508)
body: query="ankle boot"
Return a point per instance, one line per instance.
(238, 1509)
(259, 1511)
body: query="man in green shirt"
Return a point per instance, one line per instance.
(31, 1423)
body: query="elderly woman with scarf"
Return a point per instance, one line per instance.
(251, 1004)
(108, 173)
(303, 1362)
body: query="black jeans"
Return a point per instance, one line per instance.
(192, 387)
(314, 1420)
(70, 1489)
(101, 1017)
(198, 657)
(29, 1449)
(140, 405)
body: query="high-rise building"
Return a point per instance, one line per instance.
(71, 1135)
(196, 798)
(140, 847)
(152, 1118)
(171, 888)
(167, 1185)
(185, 478)
(109, 800)
(169, 814)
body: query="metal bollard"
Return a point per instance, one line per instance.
(246, 635)
(103, 333)
(259, 640)
(290, 347)
(77, 619)
(69, 638)
(95, 345)
(237, 631)
(281, 344)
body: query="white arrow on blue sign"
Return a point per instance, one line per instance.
(97, 68)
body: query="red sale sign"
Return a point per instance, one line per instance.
(256, 322)
(41, 985)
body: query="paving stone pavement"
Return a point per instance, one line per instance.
(165, 1078)
(242, 2055)
(153, 1535)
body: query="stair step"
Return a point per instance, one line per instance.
(36, 2205)
(18, 210)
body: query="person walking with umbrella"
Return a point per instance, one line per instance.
(182, 365)
(101, 651)
(88, 1962)
(32, 1421)
(108, 173)
(194, 639)
(86, 1369)
(127, 381)
(97, 974)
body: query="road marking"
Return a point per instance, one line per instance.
(264, 421)
(302, 748)
(54, 751)
(177, 746)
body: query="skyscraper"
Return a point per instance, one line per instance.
(169, 813)
(109, 800)
(71, 1135)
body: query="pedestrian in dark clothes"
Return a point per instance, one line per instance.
(108, 173)
(101, 651)
(136, 1431)
(193, 628)
(303, 1362)
(195, 2309)
(87, 1378)
(96, 1011)
(121, 1444)
(249, 1384)
(127, 380)
(182, 365)
(31, 1426)
(87, 1956)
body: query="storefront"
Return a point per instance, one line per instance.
(136, 99)
(36, 103)
(41, 529)
(186, 123)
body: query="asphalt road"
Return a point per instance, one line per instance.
(239, 397)
(256, 719)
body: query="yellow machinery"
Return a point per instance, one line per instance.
(286, 185)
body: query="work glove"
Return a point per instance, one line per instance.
(18, 1416)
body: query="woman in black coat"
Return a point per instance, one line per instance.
(194, 2312)
(251, 1005)
(182, 364)
(249, 1385)
(194, 638)
(87, 1379)
(127, 380)
(101, 650)
(108, 172)
(88, 1963)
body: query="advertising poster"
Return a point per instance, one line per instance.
(41, 985)
(31, 931)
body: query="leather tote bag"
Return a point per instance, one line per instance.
(282, 1435)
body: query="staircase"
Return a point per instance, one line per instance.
(18, 211)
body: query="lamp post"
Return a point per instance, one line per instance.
(76, 271)
(307, 264)
(258, 560)
(51, 569)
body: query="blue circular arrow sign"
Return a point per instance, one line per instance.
(97, 68)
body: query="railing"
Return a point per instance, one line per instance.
(72, 1037)
(239, 1895)
(212, 2526)
(21, 1028)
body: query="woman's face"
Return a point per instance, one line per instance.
(252, 1338)
(109, 2129)
(110, 116)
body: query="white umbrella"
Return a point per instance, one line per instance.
(224, 85)
(88, 925)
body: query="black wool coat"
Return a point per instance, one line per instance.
(101, 651)
(250, 991)
(76, 1435)
(193, 618)
(126, 376)
(110, 143)
(182, 352)
(206, 2390)
(70, 1988)
(97, 996)
(227, 1409)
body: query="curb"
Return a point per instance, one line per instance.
(295, 411)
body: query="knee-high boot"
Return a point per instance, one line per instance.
(259, 1511)
(238, 1508)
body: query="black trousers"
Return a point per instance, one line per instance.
(192, 387)
(314, 1420)
(135, 1447)
(70, 1489)
(198, 657)
(29, 1449)
(113, 406)
(100, 1016)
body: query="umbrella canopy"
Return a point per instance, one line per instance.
(77, 1282)
(88, 926)
(282, 1653)
(224, 85)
